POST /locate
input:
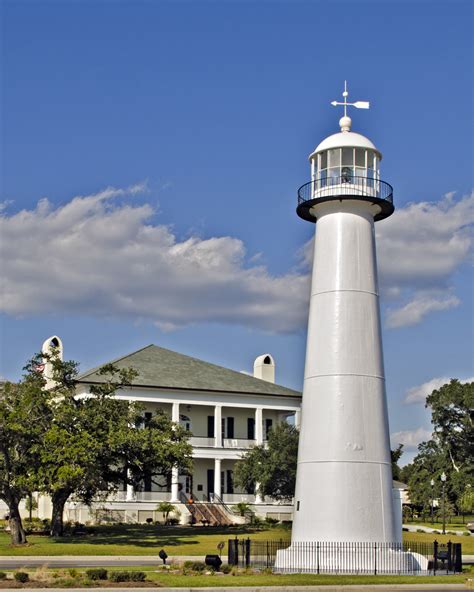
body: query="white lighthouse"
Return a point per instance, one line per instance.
(344, 476)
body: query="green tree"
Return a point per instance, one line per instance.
(165, 508)
(271, 466)
(25, 414)
(451, 449)
(452, 415)
(97, 442)
(466, 500)
(63, 443)
(395, 456)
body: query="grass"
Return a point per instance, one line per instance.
(139, 540)
(149, 539)
(242, 578)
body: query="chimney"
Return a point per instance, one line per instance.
(264, 368)
(53, 346)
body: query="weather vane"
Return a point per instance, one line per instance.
(357, 104)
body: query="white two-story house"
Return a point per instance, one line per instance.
(226, 412)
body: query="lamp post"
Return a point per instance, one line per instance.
(443, 481)
(432, 501)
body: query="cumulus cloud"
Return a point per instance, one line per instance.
(104, 255)
(96, 256)
(418, 249)
(418, 394)
(410, 438)
(414, 311)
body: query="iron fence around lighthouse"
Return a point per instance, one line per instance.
(358, 558)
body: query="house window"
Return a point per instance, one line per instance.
(210, 426)
(230, 481)
(227, 427)
(251, 428)
(268, 427)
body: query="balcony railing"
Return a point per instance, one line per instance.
(345, 187)
(202, 441)
(238, 443)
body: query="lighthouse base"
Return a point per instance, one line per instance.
(349, 558)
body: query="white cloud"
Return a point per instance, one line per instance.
(95, 256)
(418, 249)
(418, 394)
(409, 438)
(414, 311)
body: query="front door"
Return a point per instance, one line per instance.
(210, 482)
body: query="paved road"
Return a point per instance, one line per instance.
(12, 562)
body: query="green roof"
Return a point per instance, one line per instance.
(165, 369)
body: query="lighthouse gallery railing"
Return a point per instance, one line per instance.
(346, 185)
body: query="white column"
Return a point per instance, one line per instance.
(130, 494)
(217, 476)
(174, 470)
(175, 413)
(258, 497)
(218, 427)
(174, 485)
(259, 425)
(297, 419)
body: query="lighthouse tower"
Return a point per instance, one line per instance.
(344, 476)
(346, 517)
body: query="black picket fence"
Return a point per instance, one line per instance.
(347, 558)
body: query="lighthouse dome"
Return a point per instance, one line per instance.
(345, 140)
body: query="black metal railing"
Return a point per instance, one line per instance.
(347, 558)
(345, 186)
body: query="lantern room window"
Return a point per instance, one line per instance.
(346, 164)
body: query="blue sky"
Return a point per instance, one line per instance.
(169, 139)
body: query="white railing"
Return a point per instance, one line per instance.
(238, 443)
(138, 496)
(153, 496)
(201, 441)
(235, 498)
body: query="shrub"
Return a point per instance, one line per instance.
(98, 573)
(226, 568)
(198, 566)
(149, 520)
(3, 575)
(173, 521)
(21, 576)
(119, 576)
(137, 576)
(420, 530)
(466, 534)
(270, 520)
(72, 571)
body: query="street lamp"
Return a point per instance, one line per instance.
(443, 481)
(432, 501)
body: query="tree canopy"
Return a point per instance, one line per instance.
(450, 450)
(64, 444)
(272, 466)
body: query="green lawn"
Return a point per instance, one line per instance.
(248, 578)
(139, 540)
(148, 540)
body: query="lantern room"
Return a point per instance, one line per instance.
(345, 165)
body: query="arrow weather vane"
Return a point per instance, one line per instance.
(357, 104)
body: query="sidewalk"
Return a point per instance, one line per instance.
(417, 527)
